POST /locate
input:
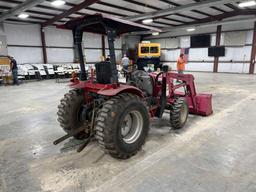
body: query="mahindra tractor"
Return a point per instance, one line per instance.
(118, 114)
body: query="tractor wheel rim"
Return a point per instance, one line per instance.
(183, 113)
(132, 127)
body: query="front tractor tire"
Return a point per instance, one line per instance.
(179, 113)
(69, 113)
(122, 125)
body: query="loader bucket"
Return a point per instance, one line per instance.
(203, 105)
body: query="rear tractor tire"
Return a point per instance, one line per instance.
(70, 113)
(122, 125)
(179, 113)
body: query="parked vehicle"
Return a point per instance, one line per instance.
(117, 114)
(149, 55)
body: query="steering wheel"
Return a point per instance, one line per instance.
(157, 77)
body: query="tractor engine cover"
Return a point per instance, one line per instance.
(141, 80)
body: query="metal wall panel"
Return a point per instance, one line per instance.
(22, 34)
(26, 54)
(92, 40)
(3, 45)
(235, 38)
(185, 42)
(199, 54)
(58, 37)
(234, 67)
(92, 55)
(60, 55)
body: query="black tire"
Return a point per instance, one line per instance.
(109, 122)
(179, 113)
(69, 113)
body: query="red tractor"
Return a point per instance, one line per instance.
(118, 114)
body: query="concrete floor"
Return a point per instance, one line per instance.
(210, 154)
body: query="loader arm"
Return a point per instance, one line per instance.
(198, 103)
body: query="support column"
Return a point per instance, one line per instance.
(43, 45)
(111, 39)
(216, 59)
(79, 48)
(76, 55)
(103, 46)
(253, 54)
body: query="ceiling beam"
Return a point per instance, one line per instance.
(43, 6)
(202, 13)
(140, 12)
(107, 12)
(187, 7)
(27, 21)
(170, 3)
(186, 16)
(116, 14)
(141, 4)
(154, 8)
(70, 11)
(112, 13)
(119, 7)
(214, 20)
(218, 9)
(20, 8)
(61, 10)
(236, 21)
(20, 21)
(231, 6)
(224, 16)
(167, 31)
(35, 12)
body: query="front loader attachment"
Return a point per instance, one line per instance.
(199, 104)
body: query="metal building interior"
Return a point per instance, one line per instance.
(212, 152)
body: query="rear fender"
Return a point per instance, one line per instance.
(121, 89)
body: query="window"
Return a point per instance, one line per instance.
(144, 49)
(154, 50)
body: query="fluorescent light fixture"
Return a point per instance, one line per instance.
(58, 3)
(147, 21)
(191, 29)
(23, 15)
(247, 4)
(155, 33)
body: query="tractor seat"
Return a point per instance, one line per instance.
(141, 80)
(103, 72)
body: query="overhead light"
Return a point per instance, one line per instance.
(191, 29)
(58, 3)
(155, 33)
(23, 15)
(147, 21)
(247, 4)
